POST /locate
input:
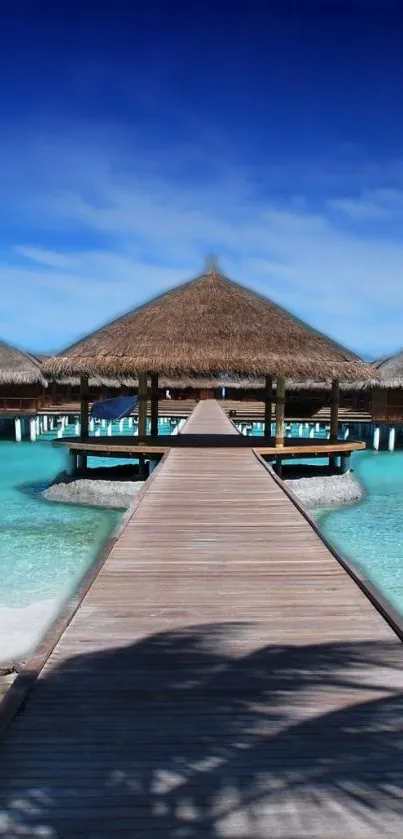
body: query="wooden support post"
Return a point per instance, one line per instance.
(280, 402)
(334, 421)
(84, 405)
(154, 405)
(268, 401)
(334, 412)
(142, 467)
(345, 461)
(82, 464)
(142, 406)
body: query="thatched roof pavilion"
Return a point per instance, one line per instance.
(208, 326)
(18, 367)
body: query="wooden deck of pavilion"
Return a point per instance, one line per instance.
(224, 676)
(151, 447)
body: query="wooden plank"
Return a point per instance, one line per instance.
(224, 676)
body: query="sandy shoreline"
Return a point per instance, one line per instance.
(22, 627)
(327, 490)
(95, 493)
(314, 491)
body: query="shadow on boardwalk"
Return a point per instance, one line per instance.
(187, 735)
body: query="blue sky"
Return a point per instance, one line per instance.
(136, 137)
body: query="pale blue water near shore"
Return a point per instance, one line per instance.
(44, 548)
(371, 532)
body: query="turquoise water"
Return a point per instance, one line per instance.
(44, 548)
(371, 532)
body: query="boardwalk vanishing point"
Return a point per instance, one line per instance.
(223, 676)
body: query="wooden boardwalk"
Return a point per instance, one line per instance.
(223, 677)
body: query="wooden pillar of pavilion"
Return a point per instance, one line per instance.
(334, 419)
(143, 394)
(280, 404)
(154, 405)
(84, 407)
(268, 402)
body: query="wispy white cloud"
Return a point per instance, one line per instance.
(358, 209)
(48, 258)
(370, 204)
(96, 235)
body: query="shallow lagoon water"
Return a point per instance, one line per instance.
(44, 548)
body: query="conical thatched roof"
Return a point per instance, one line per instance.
(18, 367)
(208, 326)
(390, 370)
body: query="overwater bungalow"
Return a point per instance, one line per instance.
(387, 392)
(387, 401)
(23, 390)
(208, 327)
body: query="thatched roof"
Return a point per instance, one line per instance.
(210, 383)
(390, 370)
(196, 382)
(18, 367)
(205, 327)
